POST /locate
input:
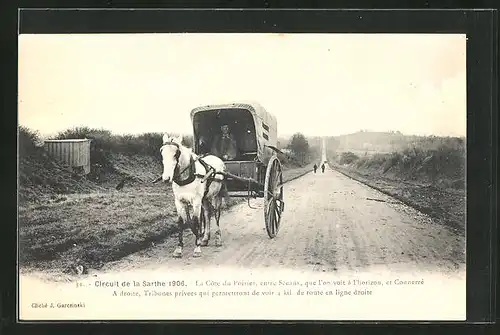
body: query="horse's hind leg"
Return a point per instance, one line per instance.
(181, 220)
(196, 227)
(207, 212)
(217, 204)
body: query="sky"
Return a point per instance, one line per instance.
(317, 84)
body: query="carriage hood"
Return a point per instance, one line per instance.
(265, 124)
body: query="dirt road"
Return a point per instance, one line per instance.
(331, 223)
(333, 229)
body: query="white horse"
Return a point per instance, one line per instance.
(195, 195)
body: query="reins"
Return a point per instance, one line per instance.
(208, 177)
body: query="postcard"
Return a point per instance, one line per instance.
(242, 176)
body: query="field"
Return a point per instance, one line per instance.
(66, 220)
(429, 175)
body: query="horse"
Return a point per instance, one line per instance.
(196, 187)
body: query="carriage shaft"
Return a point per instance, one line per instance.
(235, 177)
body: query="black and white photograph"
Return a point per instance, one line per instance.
(242, 176)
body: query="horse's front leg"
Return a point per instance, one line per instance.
(181, 220)
(196, 227)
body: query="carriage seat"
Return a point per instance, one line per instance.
(247, 145)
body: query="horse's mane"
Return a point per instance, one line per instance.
(189, 151)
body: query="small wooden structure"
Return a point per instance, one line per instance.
(74, 153)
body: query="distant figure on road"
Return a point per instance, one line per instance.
(323, 168)
(315, 168)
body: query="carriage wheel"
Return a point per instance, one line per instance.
(273, 197)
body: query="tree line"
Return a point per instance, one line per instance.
(301, 149)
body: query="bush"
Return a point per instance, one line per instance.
(439, 160)
(147, 143)
(393, 159)
(290, 160)
(348, 158)
(444, 161)
(28, 141)
(187, 141)
(101, 138)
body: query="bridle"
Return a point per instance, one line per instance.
(177, 175)
(177, 153)
(192, 173)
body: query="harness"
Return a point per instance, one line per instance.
(210, 171)
(190, 178)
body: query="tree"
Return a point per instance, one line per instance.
(299, 145)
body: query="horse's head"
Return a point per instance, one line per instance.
(170, 153)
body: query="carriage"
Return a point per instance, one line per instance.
(255, 171)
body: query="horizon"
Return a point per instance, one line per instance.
(315, 84)
(45, 136)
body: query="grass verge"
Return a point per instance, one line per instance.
(447, 205)
(92, 229)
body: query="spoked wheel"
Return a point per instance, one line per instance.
(273, 197)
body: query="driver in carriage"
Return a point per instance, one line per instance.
(224, 145)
